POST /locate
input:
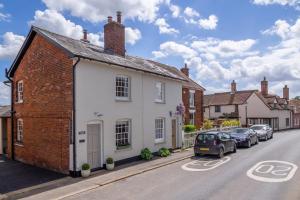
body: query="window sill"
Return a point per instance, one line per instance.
(19, 102)
(122, 100)
(123, 148)
(19, 144)
(159, 142)
(159, 102)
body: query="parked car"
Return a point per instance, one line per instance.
(214, 143)
(244, 137)
(264, 131)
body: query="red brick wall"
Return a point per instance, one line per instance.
(114, 37)
(198, 106)
(47, 108)
(296, 116)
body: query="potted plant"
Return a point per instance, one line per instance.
(110, 165)
(85, 170)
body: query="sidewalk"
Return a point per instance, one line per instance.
(104, 177)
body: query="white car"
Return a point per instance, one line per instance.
(264, 131)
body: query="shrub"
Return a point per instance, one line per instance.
(189, 128)
(109, 160)
(85, 166)
(146, 154)
(228, 123)
(164, 152)
(207, 124)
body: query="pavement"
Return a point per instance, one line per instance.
(267, 171)
(68, 186)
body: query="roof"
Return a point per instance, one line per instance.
(81, 49)
(227, 98)
(295, 105)
(4, 111)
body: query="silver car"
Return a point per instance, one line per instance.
(264, 131)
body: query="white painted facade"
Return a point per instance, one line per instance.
(254, 107)
(95, 101)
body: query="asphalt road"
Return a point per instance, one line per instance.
(198, 179)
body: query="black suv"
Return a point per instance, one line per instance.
(214, 143)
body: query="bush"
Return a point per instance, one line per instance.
(85, 166)
(109, 160)
(207, 124)
(164, 152)
(189, 128)
(228, 123)
(146, 154)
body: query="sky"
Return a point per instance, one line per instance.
(220, 40)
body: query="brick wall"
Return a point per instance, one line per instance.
(198, 106)
(47, 108)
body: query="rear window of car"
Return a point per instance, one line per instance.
(240, 130)
(206, 137)
(257, 127)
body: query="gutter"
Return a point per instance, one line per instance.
(11, 114)
(74, 116)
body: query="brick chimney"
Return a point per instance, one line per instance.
(84, 39)
(286, 92)
(185, 70)
(114, 36)
(233, 87)
(264, 87)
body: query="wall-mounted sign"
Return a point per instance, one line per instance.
(81, 132)
(81, 141)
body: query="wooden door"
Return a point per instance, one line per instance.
(94, 145)
(174, 134)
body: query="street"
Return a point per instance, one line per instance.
(238, 176)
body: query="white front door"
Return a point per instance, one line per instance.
(94, 145)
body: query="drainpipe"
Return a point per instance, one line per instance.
(11, 114)
(74, 116)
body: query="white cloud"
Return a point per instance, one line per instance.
(10, 45)
(164, 27)
(175, 10)
(4, 94)
(132, 35)
(210, 23)
(190, 12)
(294, 3)
(97, 11)
(172, 48)
(56, 22)
(4, 16)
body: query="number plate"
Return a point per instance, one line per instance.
(204, 149)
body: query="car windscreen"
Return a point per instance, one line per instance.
(257, 128)
(205, 137)
(240, 131)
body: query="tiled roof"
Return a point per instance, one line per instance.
(227, 98)
(4, 111)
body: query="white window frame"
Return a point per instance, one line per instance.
(20, 91)
(127, 97)
(160, 92)
(160, 130)
(118, 131)
(192, 121)
(192, 98)
(20, 130)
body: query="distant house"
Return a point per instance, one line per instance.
(295, 106)
(75, 103)
(4, 127)
(250, 107)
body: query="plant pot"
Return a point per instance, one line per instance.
(85, 173)
(110, 166)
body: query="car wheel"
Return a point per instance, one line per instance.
(266, 138)
(234, 149)
(272, 136)
(249, 144)
(197, 154)
(221, 153)
(256, 140)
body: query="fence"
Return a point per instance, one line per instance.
(188, 139)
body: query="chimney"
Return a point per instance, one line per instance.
(84, 39)
(264, 87)
(286, 92)
(233, 87)
(114, 36)
(185, 70)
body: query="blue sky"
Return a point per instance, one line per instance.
(220, 40)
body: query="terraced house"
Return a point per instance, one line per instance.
(74, 102)
(251, 106)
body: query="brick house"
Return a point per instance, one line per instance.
(250, 107)
(75, 103)
(192, 97)
(295, 106)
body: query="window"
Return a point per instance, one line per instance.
(123, 130)
(160, 92)
(159, 130)
(287, 122)
(217, 108)
(192, 98)
(20, 89)
(122, 88)
(20, 130)
(192, 118)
